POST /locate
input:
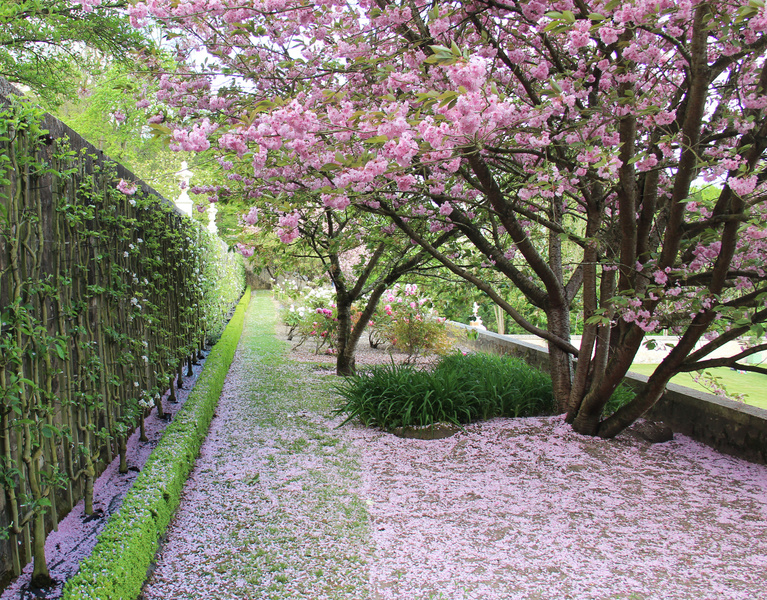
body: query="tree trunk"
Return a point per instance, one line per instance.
(40, 575)
(500, 317)
(345, 364)
(345, 361)
(560, 362)
(90, 475)
(142, 426)
(601, 388)
(122, 447)
(346, 345)
(626, 415)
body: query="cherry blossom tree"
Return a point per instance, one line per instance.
(612, 150)
(362, 255)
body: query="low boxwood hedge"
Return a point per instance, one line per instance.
(117, 568)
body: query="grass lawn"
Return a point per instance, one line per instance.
(753, 385)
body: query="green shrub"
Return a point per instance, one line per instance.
(118, 565)
(409, 324)
(460, 389)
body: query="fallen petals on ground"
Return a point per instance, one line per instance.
(284, 504)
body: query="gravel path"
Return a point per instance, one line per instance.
(282, 504)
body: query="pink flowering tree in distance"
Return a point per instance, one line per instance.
(362, 254)
(610, 152)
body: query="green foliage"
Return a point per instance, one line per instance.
(118, 565)
(622, 395)
(315, 318)
(460, 389)
(104, 296)
(109, 112)
(44, 43)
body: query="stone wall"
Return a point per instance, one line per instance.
(728, 426)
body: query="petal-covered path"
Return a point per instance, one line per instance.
(282, 504)
(269, 510)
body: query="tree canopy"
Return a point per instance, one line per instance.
(45, 43)
(566, 141)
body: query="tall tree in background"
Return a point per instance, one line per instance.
(110, 111)
(44, 44)
(562, 139)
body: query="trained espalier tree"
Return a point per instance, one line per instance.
(105, 294)
(567, 141)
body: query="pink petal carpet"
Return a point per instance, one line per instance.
(284, 503)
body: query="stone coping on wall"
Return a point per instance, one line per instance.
(728, 426)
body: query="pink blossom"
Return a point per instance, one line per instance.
(742, 185)
(127, 188)
(470, 75)
(287, 236)
(88, 5)
(402, 150)
(647, 163)
(756, 233)
(251, 217)
(246, 251)
(195, 139)
(540, 71)
(609, 35)
(579, 35)
(288, 230)
(438, 27)
(233, 143)
(336, 201)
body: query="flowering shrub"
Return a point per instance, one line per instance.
(289, 290)
(404, 319)
(323, 329)
(312, 316)
(409, 324)
(292, 318)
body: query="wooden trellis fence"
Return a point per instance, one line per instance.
(104, 298)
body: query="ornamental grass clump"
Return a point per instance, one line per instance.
(460, 389)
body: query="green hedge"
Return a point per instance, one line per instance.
(117, 568)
